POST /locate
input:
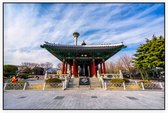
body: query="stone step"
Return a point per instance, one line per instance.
(74, 84)
(95, 82)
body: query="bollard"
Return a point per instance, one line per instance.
(160, 85)
(63, 85)
(102, 84)
(124, 85)
(25, 86)
(142, 86)
(44, 86)
(105, 85)
(5, 86)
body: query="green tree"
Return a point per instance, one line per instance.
(38, 71)
(150, 55)
(27, 70)
(23, 75)
(10, 70)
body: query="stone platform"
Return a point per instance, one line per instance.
(83, 99)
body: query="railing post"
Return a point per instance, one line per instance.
(5, 86)
(105, 85)
(66, 83)
(24, 85)
(120, 73)
(102, 81)
(142, 86)
(160, 85)
(124, 85)
(44, 86)
(63, 85)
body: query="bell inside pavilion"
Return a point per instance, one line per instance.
(83, 60)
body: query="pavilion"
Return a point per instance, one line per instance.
(83, 60)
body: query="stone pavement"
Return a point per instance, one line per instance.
(83, 99)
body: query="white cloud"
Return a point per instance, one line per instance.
(25, 30)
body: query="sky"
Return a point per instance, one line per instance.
(27, 26)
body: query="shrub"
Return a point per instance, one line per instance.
(23, 75)
(30, 76)
(27, 70)
(38, 71)
(53, 80)
(119, 80)
(9, 70)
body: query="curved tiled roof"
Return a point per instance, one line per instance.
(101, 51)
(83, 46)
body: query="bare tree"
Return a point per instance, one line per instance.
(119, 65)
(110, 67)
(115, 67)
(46, 65)
(32, 65)
(28, 64)
(124, 63)
(127, 64)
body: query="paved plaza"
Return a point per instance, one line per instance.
(83, 99)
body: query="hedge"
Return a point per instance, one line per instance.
(53, 80)
(144, 81)
(119, 80)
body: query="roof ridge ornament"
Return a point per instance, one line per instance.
(83, 43)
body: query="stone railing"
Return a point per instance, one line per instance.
(34, 86)
(154, 85)
(14, 86)
(54, 86)
(38, 86)
(112, 75)
(114, 86)
(101, 81)
(107, 85)
(61, 76)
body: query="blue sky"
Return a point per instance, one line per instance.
(27, 26)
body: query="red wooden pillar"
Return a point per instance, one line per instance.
(93, 68)
(90, 69)
(74, 68)
(66, 68)
(70, 69)
(72, 72)
(63, 66)
(104, 67)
